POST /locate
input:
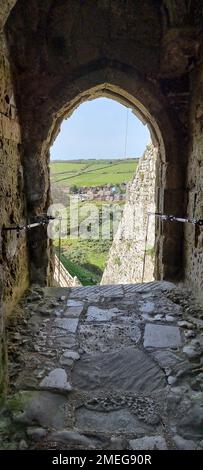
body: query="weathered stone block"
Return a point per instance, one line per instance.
(161, 336)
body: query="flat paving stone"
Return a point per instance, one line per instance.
(68, 324)
(127, 369)
(161, 336)
(147, 307)
(57, 380)
(99, 314)
(166, 358)
(119, 420)
(73, 312)
(74, 303)
(149, 443)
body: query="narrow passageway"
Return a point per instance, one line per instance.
(117, 365)
(105, 367)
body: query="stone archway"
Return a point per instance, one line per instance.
(65, 55)
(124, 86)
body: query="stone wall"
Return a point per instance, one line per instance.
(13, 248)
(13, 251)
(193, 239)
(62, 277)
(125, 263)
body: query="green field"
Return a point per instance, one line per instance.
(92, 172)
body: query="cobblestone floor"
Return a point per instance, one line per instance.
(105, 367)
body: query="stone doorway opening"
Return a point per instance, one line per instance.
(51, 80)
(102, 173)
(114, 84)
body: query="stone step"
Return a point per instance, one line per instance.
(109, 289)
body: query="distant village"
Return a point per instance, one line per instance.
(108, 192)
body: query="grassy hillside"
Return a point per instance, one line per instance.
(92, 172)
(83, 258)
(86, 259)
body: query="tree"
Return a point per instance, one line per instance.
(73, 189)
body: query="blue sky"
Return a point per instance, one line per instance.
(97, 129)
